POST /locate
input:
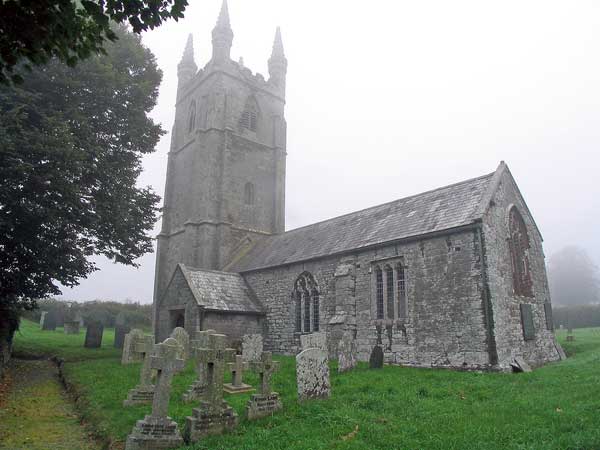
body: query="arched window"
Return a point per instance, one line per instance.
(249, 194)
(306, 296)
(401, 284)
(389, 284)
(192, 117)
(379, 292)
(519, 254)
(249, 117)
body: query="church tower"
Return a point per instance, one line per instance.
(226, 168)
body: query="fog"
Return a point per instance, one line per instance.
(391, 98)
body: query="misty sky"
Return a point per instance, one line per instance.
(387, 99)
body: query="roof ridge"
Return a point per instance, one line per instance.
(221, 272)
(390, 202)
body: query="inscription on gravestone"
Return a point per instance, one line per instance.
(130, 355)
(346, 352)
(252, 347)
(314, 340)
(265, 402)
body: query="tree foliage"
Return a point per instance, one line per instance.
(71, 142)
(34, 31)
(573, 277)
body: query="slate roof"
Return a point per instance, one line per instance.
(222, 291)
(441, 209)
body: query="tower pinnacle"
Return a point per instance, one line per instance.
(278, 62)
(186, 69)
(222, 36)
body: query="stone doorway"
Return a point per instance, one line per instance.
(177, 318)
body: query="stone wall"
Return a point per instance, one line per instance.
(508, 329)
(445, 324)
(234, 326)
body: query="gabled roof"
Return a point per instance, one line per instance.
(222, 291)
(433, 211)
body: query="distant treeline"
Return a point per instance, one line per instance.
(135, 314)
(576, 316)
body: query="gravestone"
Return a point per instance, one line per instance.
(93, 335)
(376, 358)
(214, 415)
(121, 319)
(314, 340)
(130, 355)
(346, 352)
(237, 368)
(182, 336)
(252, 347)
(265, 402)
(197, 388)
(120, 332)
(42, 318)
(312, 374)
(49, 323)
(144, 391)
(71, 327)
(570, 337)
(157, 430)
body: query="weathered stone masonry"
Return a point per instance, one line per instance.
(453, 277)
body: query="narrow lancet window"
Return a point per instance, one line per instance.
(249, 194)
(379, 292)
(389, 284)
(192, 117)
(305, 295)
(401, 282)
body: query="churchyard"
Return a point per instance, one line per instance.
(554, 407)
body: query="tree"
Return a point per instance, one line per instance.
(573, 277)
(71, 142)
(34, 31)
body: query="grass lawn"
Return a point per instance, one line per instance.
(555, 407)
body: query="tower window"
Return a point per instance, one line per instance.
(192, 117)
(249, 117)
(249, 194)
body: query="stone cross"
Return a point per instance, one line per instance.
(215, 357)
(237, 368)
(197, 388)
(266, 402)
(265, 369)
(145, 347)
(165, 362)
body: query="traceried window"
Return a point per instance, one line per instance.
(192, 117)
(390, 291)
(401, 293)
(519, 254)
(379, 292)
(249, 194)
(307, 303)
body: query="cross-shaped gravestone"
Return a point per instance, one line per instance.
(157, 430)
(143, 392)
(166, 363)
(265, 402)
(214, 416)
(197, 388)
(216, 356)
(237, 368)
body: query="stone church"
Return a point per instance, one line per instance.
(453, 277)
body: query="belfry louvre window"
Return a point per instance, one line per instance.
(249, 117)
(307, 303)
(192, 117)
(519, 254)
(389, 291)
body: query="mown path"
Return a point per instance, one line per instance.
(35, 412)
